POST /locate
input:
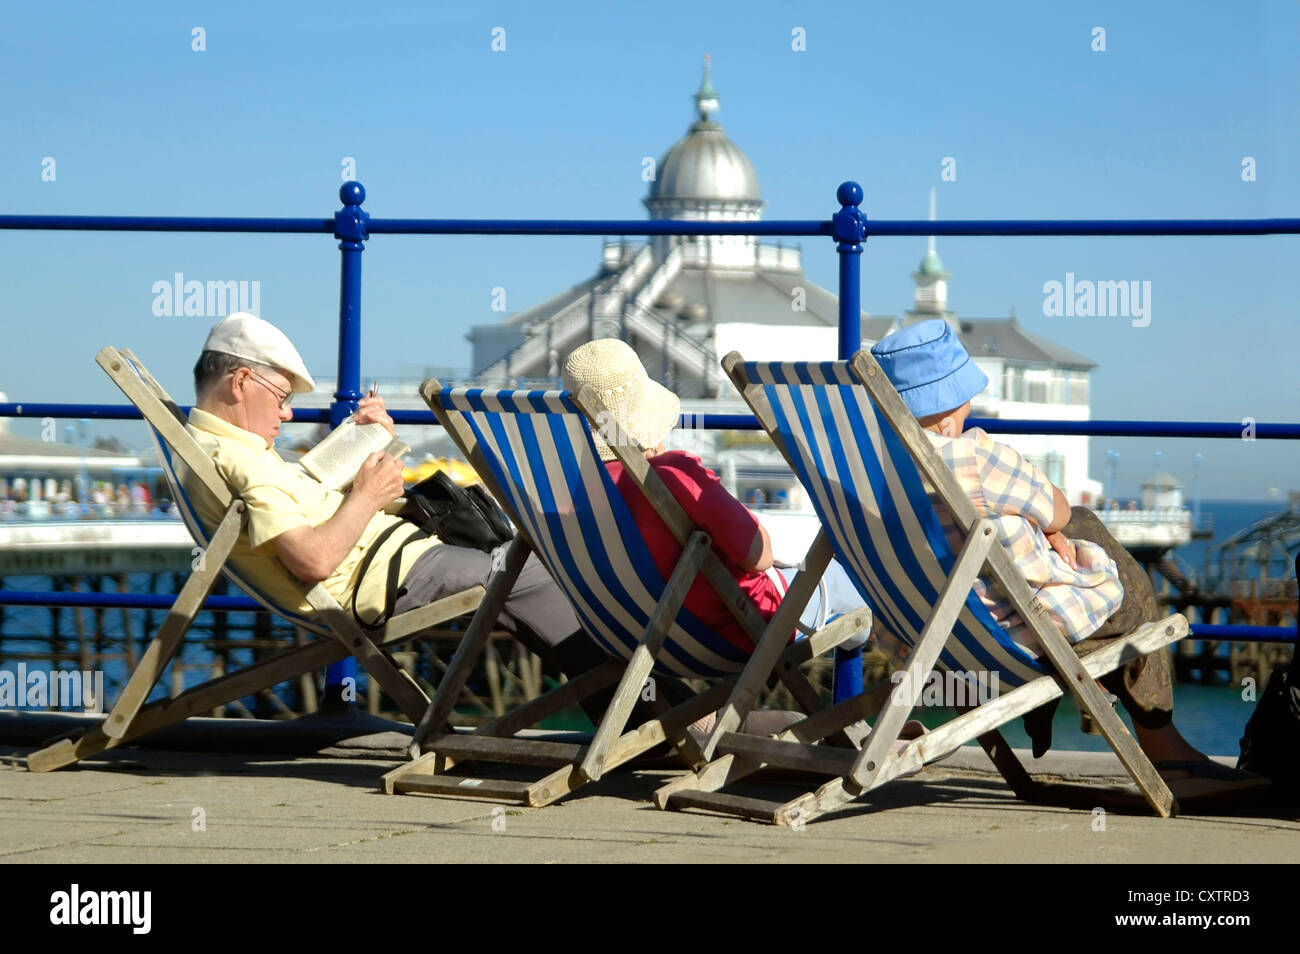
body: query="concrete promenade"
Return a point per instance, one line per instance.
(143, 806)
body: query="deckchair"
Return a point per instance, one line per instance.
(534, 451)
(867, 466)
(130, 718)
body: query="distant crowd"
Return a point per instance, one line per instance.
(43, 498)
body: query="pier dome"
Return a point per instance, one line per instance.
(704, 175)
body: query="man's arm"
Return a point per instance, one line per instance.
(313, 553)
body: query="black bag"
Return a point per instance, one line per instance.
(461, 516)
(1271, 743)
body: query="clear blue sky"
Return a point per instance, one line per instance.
(440, 125)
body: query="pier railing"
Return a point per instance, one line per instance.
(849, 228)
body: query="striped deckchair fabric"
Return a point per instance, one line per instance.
(189, 471)
(870, 497)
(875, 480)
(534, 450)
(539, 448)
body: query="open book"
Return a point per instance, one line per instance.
(337, 458)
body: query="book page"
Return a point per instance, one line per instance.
(337, 458)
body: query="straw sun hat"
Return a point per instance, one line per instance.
(640, 408)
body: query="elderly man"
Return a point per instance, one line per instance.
(244, 381)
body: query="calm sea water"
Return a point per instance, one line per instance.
(1211, 717)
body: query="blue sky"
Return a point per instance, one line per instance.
(556, 125)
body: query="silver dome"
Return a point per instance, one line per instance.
(704, 166)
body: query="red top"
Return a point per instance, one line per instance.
(724, 518)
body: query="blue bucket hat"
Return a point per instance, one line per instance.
(928, 366)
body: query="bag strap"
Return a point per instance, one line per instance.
(394, 569)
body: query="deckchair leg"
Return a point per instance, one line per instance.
(643, 658)
(775, 637)
(438, 713)
(1073, 675)
(928, 647)
(410, 698)
(179, 619)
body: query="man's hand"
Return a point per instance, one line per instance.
(371, 410)
(379, 479)
(313, 553)
(1063, 545)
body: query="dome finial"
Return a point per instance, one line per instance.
(706, 99)
(931, 216)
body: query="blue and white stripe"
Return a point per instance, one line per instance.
(540, 451)
(870, 497)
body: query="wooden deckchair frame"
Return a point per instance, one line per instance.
(855, 774)
(613, 744)
(130, 718)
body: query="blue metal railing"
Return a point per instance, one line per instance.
(849, 228)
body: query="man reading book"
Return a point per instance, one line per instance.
(244, 381)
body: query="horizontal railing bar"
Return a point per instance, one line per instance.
(163, 223)
(1243, 634)
(879, 227)
(160, 601)
(746, 422)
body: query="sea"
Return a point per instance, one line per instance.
(1210, 717)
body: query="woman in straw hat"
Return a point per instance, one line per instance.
(646, 412)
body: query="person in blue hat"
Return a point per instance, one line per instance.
(1090, 585)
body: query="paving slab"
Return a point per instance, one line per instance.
(156, 806)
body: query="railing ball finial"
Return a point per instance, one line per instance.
(354, 193)
(849, 193)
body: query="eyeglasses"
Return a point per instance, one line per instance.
(285, 398)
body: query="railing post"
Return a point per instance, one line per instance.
(350, 230)
(849, 229)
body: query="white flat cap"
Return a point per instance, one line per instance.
(249, 337)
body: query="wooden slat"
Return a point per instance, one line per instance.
(438, 713)
(754, 808)
(416, 621)
(424, 764)
(162, 419)
(285, 665)
(643, 657)
(564, 696)
(177, 623)
(791, 755)
(398, 683)
(770, 646)
(463, 786)
(486, 748)
(936, 632)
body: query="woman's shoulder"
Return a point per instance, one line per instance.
(684, 463)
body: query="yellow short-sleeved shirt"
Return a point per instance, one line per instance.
(280, 496)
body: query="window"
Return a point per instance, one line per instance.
(1013, 380)
(1078, 387)
(1055, 468)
